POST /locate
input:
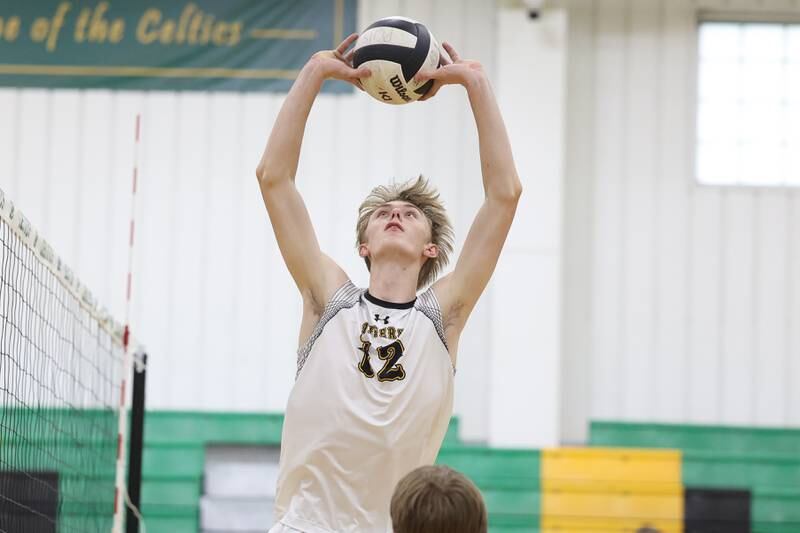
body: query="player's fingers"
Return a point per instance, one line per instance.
(344, 45)
(428, 74)
(362, 72)
(444, 57)
(349, 74)
(348, 58)
(356, 84)
(451, 52)
(432, 92)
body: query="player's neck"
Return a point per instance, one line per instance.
(393, 282)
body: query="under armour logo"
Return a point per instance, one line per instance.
(378, 318)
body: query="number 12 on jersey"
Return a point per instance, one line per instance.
(389, 354)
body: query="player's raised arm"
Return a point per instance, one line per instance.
(459, 291)
(315, 274)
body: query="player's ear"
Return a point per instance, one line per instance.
(363, 251)
(431, 250)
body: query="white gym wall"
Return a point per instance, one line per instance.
(674, 302)
(525, 297)
(681, 302)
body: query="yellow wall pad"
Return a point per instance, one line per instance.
(576, 525)
(614, 505)
(612, 487)
(616, 465)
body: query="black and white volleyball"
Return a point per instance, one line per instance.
(395, 49)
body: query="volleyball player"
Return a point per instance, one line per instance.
(373, 393)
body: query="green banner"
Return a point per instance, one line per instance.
(233, 45)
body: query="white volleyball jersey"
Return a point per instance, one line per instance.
(371, 402)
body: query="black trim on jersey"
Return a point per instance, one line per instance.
(389, 305)
(345, 297)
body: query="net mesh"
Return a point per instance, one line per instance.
(60, 386)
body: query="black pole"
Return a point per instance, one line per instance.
(136, 444)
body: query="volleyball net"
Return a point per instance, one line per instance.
(62, 392)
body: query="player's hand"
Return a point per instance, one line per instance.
(338, 64)
(452, 71)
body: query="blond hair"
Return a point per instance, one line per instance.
(424, 197)
(437, 499)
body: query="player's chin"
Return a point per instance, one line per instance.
(397, 242)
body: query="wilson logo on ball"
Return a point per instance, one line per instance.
(400, 88)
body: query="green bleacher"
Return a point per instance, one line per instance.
(79, 445)
(765, 461)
